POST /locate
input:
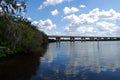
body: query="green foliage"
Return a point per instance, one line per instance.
(20, 36)
(2, 53)
(17, 35)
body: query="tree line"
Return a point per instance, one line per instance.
(16, 33)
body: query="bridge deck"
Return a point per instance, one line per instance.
(74, 38)
(82, 36)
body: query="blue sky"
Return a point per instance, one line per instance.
(75, 17)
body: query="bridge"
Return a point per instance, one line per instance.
(82, 38)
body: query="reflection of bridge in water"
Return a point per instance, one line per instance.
(82, 38)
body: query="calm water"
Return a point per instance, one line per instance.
(67, 61)
(80, 61)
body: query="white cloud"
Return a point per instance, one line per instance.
(68, 10)
(54, 12)
(55, 33)
(82, 6)
(72, 18)
(96, 22)
(67, 29)
(105, 24)
(44, 25)
(107, 27)
(47, 3)
(28, 18)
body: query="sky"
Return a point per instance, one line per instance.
(75, 17)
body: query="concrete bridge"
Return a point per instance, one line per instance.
(82, 38)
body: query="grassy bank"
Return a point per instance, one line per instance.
(17, 35)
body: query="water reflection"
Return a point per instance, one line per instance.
(94, 56)
(80, 61)
(20, 67)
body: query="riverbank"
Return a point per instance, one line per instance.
(22, 66)
(19, 36)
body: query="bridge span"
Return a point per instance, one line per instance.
(82, 38)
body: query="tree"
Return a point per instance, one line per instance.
(12, 7)
(10, 10)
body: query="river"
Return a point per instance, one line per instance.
(87, 60)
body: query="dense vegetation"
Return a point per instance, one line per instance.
(17, 35)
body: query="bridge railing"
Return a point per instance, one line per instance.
(82, 38)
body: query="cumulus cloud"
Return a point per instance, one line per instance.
(47, 3)
(28, 18)
(105, 24)
(68, 10)
(82, 6)
(96, 22)
(44, 25)
(72, 18)
(54, 12)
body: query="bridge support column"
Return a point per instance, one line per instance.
(111, 38)
(83, 38)
(117, 38)
(105, 38)
(91, 38)
(72, 39)
(58, 39)
(98, 38)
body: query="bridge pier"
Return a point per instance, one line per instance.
(98, 38)
(82, 38)
(58, 39)
(91, 38)
(105, 38)
(111, 38)
(118, 39)
(72, 39)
